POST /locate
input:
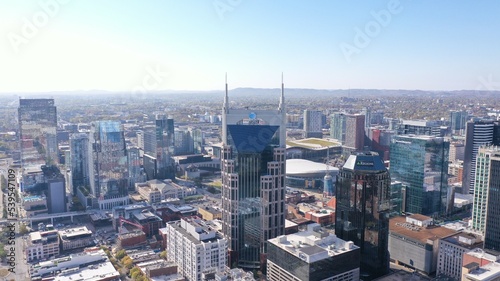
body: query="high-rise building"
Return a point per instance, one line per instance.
(313, 123)
(109, 176)
(457, 150)
(458, 119)
(56, 190)
(337, 126)
(355, 131)
(37, 132)
(135, 172)
(363, 209)
(486, 207)
(477, 133)
(313, 254)
(197, 136)
(420, 127)
(253, 181)
(159, 149)
(196, 248)
(367, 112)
(421, 164)
(81, 156)
(184, 144)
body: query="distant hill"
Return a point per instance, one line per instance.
(264, 92)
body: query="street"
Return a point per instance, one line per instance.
(21, 265)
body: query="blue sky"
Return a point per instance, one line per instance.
(118, 45)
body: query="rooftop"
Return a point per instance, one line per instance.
(421, 234)
(313, 244)
(365, 161)
(465, 240)
(74, 232)
(313, 143)
(101, 271)
(490, 271)
(302, 166)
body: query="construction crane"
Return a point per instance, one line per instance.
(123, 220)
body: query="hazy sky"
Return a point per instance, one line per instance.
(51, 45)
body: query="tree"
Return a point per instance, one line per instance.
(163, 255)
(3, 254)
(23, 229)
(120, 254)
(127, 262)
(135, 274)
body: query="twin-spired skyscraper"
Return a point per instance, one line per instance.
(253, 180)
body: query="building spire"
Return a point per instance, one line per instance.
(226, 97)
(282, 97)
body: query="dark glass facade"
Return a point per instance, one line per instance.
(253, 187)
(362, 211)
(315, 271)
(80, 165)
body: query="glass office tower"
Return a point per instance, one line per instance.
(362, 210)
(37, 132)
(109, 176)
(421, 164)
(159, 149)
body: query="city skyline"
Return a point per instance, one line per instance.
(57, 45)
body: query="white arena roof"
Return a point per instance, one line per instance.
(301, 167)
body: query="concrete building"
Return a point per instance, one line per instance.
(42, 245)
(209, 213)
(416, 246)
(195, 247)
(313, 123)
(355, 131)
(73, 262)
(56, 190)
(451, 250)
(253, 180)
(155, 191)
(480, 257)
(131, 239)
(486, 207)
(488, 272)
(420, 127)
(313, 254)
(33, 205)
(104, 271)
(160, 269)
(457, 151)
(74, 238)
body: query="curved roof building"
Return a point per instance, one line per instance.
(307, 174)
